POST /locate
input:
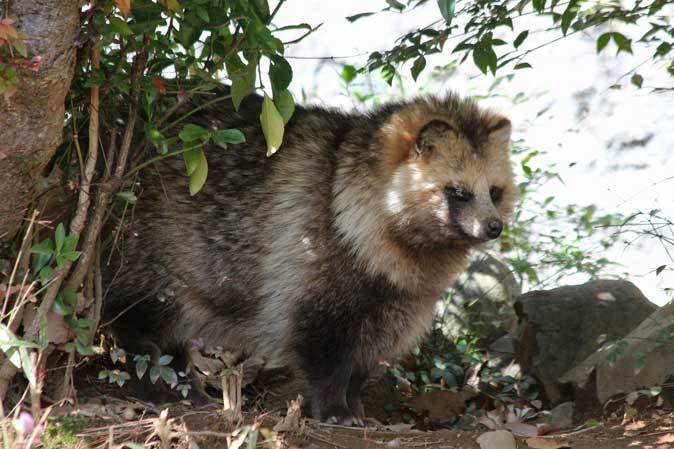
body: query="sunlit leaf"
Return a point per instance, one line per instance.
(191, 132)
(285, 103)
(349, 73)
(447, 8)
(197, 168)
(272, 125)
(225, 136)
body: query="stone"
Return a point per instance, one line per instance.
(641, 360)
(561, 417)
(560, 328)
(481, 301)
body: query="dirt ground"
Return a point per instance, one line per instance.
(206, 428)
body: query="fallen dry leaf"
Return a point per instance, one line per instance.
(497, 439)
(442, 406)
(666, 438)
(547, 443)
(521, 429)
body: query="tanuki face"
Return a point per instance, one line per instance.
(451, 189)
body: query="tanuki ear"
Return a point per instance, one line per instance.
(499, 133)
(430, 134)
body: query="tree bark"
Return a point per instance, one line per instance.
(31, 120)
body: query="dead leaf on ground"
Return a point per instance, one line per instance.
(666, 438)
(497, 439)
(442, 406)
(547, 443)
(522, 430)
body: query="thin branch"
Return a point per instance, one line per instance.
(96, 224)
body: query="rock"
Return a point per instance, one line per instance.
(640, 360)
(481, 300)
(497, 439)
(559, 328)
(561, 417)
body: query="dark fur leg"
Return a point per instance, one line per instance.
(353, 394)
(328, 395)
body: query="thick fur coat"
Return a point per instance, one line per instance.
(328, 256)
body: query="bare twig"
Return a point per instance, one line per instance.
(27, 237)
(111, 183)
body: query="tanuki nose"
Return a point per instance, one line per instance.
(494, 228)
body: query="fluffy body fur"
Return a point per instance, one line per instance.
(328, 256)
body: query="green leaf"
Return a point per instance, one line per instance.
(660, 269)
(388, 73)
(484, 57)
(165, 359)
(285, 104)
(225, 136)
(447, 8)
(349, 73)
(141, 368)
(154, 374)
(520, 38)
(280, 73)
(60, 237)
(65, 303)
(43, 248)
(70, 244)
(602, 41)
(16, 352)
(359, 16)
(128, 197)
(243, 82)
(395, 4)
(418, 66)
(637, 80)
(203, 14)
(662, 49)
(623, 43)
(197, 168)
(169, 375)
(83, 349)
(568, 15)
(120, 26)
(522, 65)
(272, 126)
(191, 132)
(46, 275)
(539, 5)
(70, 255)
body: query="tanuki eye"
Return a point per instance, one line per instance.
(496, 194)
(459, 194)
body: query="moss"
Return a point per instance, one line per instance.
(61, 433)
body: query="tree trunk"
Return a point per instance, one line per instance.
(31, 120)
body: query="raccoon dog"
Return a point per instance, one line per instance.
(327, 257)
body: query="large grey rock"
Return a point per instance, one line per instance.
(560, 328)
(642, 359)
(481, 300)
